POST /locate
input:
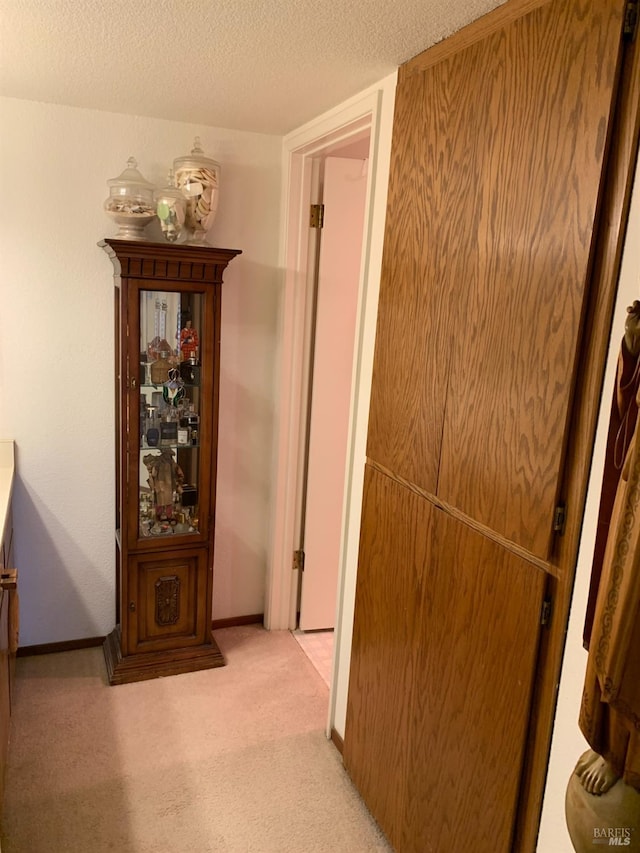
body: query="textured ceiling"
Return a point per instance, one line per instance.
(243, 64)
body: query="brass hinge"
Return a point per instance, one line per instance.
(316, 219)
(545, 613)
(630, 20)
(298, 561)
(559, 519)
(9, 579)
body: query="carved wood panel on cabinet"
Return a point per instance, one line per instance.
(170, 601)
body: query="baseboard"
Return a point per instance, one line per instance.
(90, 642)
(338, 742)
(65, 646)
(234, 621)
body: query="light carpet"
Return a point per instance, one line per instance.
(230, 760)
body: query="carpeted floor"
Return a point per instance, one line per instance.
(232, 760)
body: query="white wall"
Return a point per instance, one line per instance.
(56, 353)
(568, 743)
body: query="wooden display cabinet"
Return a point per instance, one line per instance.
(167, 330)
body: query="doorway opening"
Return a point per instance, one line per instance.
(369, 116)
(336, 263)
(335, 223)
(339, 185)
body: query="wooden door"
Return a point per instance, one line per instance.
(497, 162)
(423, 710)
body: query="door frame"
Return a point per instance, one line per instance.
(372, 110)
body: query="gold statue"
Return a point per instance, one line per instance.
(610, 709)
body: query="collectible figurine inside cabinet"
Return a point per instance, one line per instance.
(165, 479)
(169, 414)
(189, 341)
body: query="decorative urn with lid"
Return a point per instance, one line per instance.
(130, 203)
(199, 179)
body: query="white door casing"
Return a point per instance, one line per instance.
(371, 109)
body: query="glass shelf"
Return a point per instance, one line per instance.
(151, 387)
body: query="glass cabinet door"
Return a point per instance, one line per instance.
(169, 418)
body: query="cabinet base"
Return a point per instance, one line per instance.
(126, 669)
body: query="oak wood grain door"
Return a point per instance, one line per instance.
(432, 683)
(497, 161)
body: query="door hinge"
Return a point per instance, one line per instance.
(298, 561)
(630, 20)
(559, 519)
(545, 613)
(316, 219)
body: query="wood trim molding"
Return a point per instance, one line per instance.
(609, 245)
(474, 32)
(337, 741)
(91, 642)
(460, 516)
(65, 646)
(234, 621)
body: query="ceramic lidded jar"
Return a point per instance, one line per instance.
(199, 179)
(130, 203)
(171, 209)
